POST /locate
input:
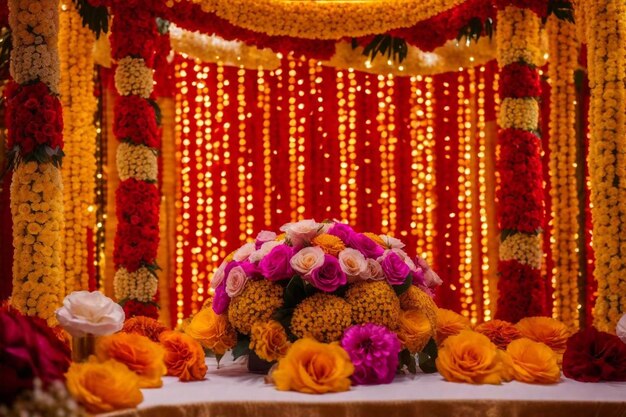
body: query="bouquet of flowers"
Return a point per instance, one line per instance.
(324, 283)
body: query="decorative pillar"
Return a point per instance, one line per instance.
(521, 212)
(35, 142)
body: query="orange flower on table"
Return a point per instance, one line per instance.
(184, 356)
(140, 354)
(545, 330)
(103, 386)
(144, 326)
(500, 332)
(470, 357)
(449, 323)
(533, 362)
(314, 368)
(269, 340)
(330, 244)
(415, 330)
(213, 331)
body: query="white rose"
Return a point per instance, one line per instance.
(244, 252)
(265, 236)
(373, 271)
(265, 248)
(352, 262)
(235, 282)
(621, 328)
(307, 259)
(218, 276)
(392, 242)
(85, 312)
(302, 232)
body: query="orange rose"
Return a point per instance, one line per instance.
(533, 362)
(545, 330)
(314, 368)
(499, 332)
(213, 331)
(470, 357)
(184, 356)
(103, 386)
(415, 330)
(269, 340)
(140, 354)
(144, 326)
(449, 323)
(330, 244)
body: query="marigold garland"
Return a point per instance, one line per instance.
(564, 192)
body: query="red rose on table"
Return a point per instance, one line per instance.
(592, 356)
(28, 349)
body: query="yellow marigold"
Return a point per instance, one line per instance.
(533, 362)
(374, 302)
(375, 238)
(213, 331)
(314, 368)
(140, 354)
(257, 302)
(449, 323)
(105, 386)
(470, 357)
(145, 326)
(416, 299)
(269, 340)
(415, 330)
(321, 316)
(545, 330)
(330, 244)
(500, 332)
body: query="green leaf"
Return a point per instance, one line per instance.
(242, 347)
(401, 289)
(219, 358)
(95, 18)
(283, 316)
(157, 111)
(296, 291)
(407, 361)
(394, 48)
(428, 356)
(163, 26)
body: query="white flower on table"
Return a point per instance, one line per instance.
(85, 312)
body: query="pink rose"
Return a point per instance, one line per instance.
(307, 259)
(301, 233)
(244, 252)
(262, 237)
(352, 262)
(329, 276)
(235, 282)
(218, 276)
(395, 269)
(276, 265)
(406, 258)
(373, 271)
(431, 279)
(262, 252)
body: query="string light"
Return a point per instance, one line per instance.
(263, 102)
(342, 117)
(351, 148)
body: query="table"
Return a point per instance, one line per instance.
(231, 391)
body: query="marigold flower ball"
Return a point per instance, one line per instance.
(257, 302)
(374, 302)
(323, 317)
(416, 299)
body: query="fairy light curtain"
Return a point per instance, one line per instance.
(408, 156)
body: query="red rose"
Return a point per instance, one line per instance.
(28, 349)
(522, 292)
(592, 356)
(134, 308)
(135, 121)
(519, 80)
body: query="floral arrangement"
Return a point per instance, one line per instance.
(520, 193)
(326, 287)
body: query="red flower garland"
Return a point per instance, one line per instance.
(134, 33)
(593, 356)
(135, 121)
(520, 80)
(134, 308)
(34, 118)
(521, 289)
(137, 237)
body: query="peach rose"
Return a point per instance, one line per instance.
(301, 233)
(314, 368)
(500, 332)
(545, 330)
(449, 323)
(269, 340)
(103, 386)
(265, 248)
(352, 262)
(391, 242)
(533, 362)
(415, 330)
(140, 354)
(307, 259)
(373, 271)
(470, 357)
(244, 252)
(213, 331)
(218, 276)
(235, 282)
(184, 356)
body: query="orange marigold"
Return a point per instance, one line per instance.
(269, 340)
(545, 330)
(449, 323)
(330, 244)
(375, 238)
(184, 356)
(145, 326)
(213, 331)
(500, 332)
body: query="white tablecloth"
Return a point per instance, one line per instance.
(232, 391)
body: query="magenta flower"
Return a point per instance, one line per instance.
(221, 300)
(365, 245)
(275, 265)
(373, 350)
(329, 276)
(342, 231)
(395, 269)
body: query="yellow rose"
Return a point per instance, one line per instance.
(105, 386)
(533, 362)
(139, 353)
(470, 357)
(314, 368)
(269, 340)
(415, 330)
(213, 331)
(449, 323)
